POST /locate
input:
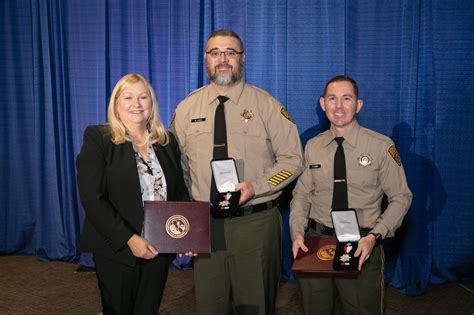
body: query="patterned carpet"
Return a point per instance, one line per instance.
(32, 287)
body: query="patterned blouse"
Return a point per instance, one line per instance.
(152, 178)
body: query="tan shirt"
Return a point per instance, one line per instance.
(263, 140)
(312, 196)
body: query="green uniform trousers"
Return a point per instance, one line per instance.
(363, 294)
(243, 278)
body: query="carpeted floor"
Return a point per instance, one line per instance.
(28, 286)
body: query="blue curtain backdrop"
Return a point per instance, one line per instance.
(413, 59)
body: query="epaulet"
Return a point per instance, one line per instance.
(391, 149)
(376, 135)
(318, 137)
(322, 134)
(196, 90)
(258, 89)
(282, 109)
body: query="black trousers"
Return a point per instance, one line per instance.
(131, 290)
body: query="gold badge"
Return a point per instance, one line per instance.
(285, 114)
(326, 252)
(177, 226)
(365, 159)
(246, 115)
(394, 154)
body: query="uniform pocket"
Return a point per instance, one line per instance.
(321, 177)
(363, 178)
(199, 139)
(247, 139)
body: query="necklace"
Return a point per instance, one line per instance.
(140, 145)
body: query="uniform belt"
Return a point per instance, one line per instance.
(326, 230)
(259, 207)
(241, 211)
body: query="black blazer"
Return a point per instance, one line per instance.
(109, 188)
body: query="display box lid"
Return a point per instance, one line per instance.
(225, 174)
(346, 225)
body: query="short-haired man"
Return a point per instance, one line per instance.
(243, 270)
(373, 167)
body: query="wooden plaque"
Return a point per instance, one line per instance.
(319, 257)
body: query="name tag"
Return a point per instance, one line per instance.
(315, 166)
(198, 119)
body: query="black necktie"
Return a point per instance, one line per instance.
(339, 197)
(220, 139)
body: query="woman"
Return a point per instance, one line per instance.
(130, 159)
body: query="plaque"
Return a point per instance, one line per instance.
(177, 226)
(319, 257)
(346, 225)
(225, 176)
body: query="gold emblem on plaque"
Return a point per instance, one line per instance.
(177, 226)
(246, 115)
(326, 252)
(365, 159)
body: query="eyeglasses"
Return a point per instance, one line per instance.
(229, 53)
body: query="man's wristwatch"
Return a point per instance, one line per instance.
(378, 238)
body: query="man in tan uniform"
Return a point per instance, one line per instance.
(243, 270)
(373, 167)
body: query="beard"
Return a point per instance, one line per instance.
(225, 79)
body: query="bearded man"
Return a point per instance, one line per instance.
(232, 119)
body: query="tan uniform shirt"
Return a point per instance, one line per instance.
(373, 168)
(260, 137)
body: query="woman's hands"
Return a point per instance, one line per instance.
(141, 248)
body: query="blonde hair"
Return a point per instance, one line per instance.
(154, 125)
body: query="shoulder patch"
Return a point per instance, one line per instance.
(285, 114)
(394, 154)
(279, 177)
(172, 119)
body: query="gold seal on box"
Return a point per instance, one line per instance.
(326, 252)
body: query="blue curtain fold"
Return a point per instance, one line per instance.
(414, 61)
